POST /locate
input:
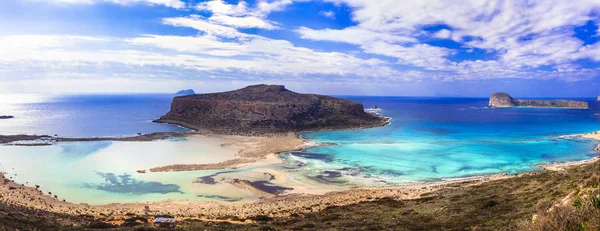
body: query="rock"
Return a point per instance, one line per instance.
(267, 109)
(501, 99)
(185, 92)
(141, 171)
(599, 98)
(6, 117)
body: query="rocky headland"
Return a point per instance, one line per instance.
(501, 99)
(262, 109)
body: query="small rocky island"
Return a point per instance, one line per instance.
(501, 99)
(185, 92)
(6, 117)
(267, 109)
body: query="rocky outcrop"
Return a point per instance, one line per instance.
(267, 109)
(185, 92)
(6, 117)
(501, 99)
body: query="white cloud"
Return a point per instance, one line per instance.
(524, 35)
(238, 16)
(443, 34)
(178, 4)
(388, 37)
(328, 14)
(202, 24)
(242, 22)
(352, 35)
(259, 56)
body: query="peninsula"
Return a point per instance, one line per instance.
(261, 109)
(501, 99)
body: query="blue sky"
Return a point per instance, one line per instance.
(341, 47)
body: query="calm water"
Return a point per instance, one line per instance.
(438, 138)
(428, 139)
(84, 115)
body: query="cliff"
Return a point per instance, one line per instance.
(501, 99)
(267, 109)
(185, 92)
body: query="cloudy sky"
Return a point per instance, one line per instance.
(342, 47)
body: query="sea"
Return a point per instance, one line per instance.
(428, 139)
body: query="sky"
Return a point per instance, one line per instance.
(464, 48)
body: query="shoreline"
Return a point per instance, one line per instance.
(278, 206)
(297, 200)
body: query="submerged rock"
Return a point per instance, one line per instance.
(267, 109)
(501, 99)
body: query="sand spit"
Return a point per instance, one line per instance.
(271, 204)
(253, 149)
(299, 199)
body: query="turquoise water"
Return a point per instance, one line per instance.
(439, 138)
(429, 139)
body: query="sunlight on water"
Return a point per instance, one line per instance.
(105, 172)
(429, 139)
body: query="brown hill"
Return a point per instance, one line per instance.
(267, 109)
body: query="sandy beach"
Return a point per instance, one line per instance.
(259, 153)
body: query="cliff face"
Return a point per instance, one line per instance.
(265, 109)
(501, 99)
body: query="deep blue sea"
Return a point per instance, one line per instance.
(93, 115)
(429, 139)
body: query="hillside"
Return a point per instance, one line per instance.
(267, 109)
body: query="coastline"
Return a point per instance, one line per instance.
(259, 152)
(280, 206)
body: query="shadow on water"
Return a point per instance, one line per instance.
(126, 185)
(314, 156)
(268, 187)
(210, 179)
(220, 198)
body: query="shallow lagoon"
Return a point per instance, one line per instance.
(106, 171)
(429, 139)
